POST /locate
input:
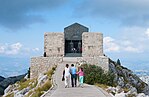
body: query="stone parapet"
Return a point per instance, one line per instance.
(101, 61)
(42, 65)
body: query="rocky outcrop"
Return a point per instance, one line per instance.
(127, 82)
(31, 87)
(42, 79)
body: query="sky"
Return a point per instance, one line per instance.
(124, 24)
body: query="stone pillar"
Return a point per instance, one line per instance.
(92, 44)
(54, 44)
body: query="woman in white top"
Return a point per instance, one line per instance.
(67, 76)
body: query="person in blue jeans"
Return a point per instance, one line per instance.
(73, 72)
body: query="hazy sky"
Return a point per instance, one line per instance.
(124, 24)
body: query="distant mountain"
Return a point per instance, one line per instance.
(8, 81)
(1, 78)
(142, 72)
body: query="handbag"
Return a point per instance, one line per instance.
(63, 78)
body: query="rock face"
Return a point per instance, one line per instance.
(31, 87)
(42, 79)
(145, 79)
(127, 80)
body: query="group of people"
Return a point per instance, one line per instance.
(73, 74)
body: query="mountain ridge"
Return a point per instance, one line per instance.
(7, 81)
(1, 78)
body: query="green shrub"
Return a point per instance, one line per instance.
(95, 74)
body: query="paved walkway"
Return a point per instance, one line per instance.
(60, 91)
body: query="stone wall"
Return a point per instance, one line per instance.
(42, 65)
(54, 44)
(101, 61)
(92, 44)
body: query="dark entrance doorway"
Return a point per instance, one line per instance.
(73, 39)
(73, 48)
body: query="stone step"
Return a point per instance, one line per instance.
(70, 59)
(73, 55)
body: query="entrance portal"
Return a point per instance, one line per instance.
(73, 46)
(73, 40)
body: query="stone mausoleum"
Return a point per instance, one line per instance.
(77, 42)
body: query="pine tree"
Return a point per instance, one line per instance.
(118, 62)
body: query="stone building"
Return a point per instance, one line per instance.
(76, 42)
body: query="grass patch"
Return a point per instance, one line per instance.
(30, 93)
(10, 95)
(40, 90)
(51, 72)
(37, 94)
(131, 95)
(125, 90)
(103, 86)
(32, 83)
(45, 87)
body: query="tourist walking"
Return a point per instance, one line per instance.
(67, 76)
(73, 72)
(81, 77)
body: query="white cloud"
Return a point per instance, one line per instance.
(2, 49)
(35, 49)
(16, 49)
(110, 45)
(13, 49)
(16, 46)
(131, 49)
(127, 43)
(122, 45)
(147, 32)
